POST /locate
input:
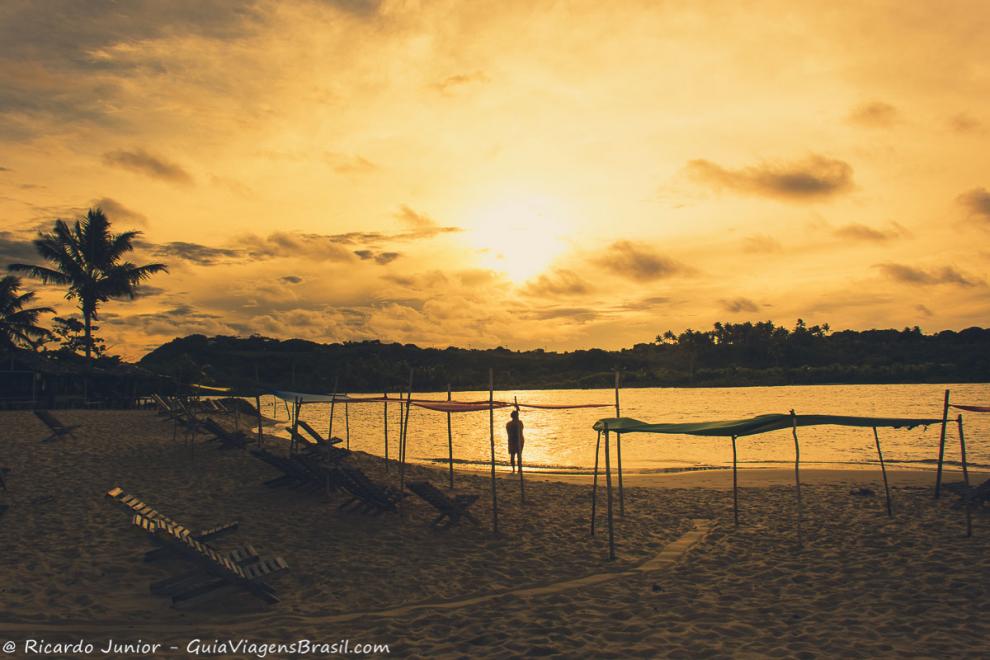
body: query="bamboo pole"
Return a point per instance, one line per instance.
(491, 435)
(883, 470)
(965, 470)
(941, 446)
(608, 488)
(405, 435)
(386, 429)
(735, 491)
(347, 426)
(797, 477)
(594, 483)
(295, 425)
(450, 443)
(618, 450)
(333, 401)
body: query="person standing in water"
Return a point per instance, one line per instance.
(514, 430)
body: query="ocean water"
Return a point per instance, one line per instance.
(563, 440)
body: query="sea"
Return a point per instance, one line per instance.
(563, 441)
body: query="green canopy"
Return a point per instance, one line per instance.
(754, 425)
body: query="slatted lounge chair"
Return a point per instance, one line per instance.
(134, 505)
(453, 509)
(294, 475)
(228, 439)
(215, 570)
(369, 496)
(57, 428)
(977, 496)
(311, 438)
(165, 408)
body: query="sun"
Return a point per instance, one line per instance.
(519, 236)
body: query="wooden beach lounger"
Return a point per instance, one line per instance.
(314, 439)
(215, 570)
(294, 474)
(57, 428)
(372, 497)
(453, 509)
(228, 439)
(134, 505)
(977, 496)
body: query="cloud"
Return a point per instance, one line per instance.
(963, 123)
(350, 164)
(875, 114)
(815, 177)
(199, 254)
(5, 169)
(638, 262)
(860, 232)
(736, 305)
(16, 250)
(290, 279)
(761, 244)
(977, 201)
(281, 244)
(560, 283)
(117, 212)
(575, 314)
(453, 83)
(380, 258)
(142, 162)
(924, 311)
(943, 275)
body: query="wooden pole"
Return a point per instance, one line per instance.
(941, 446)
(295, 425)
(797, 477)
(883, 470)
(404, 436)
(333, 401)
(347, 426)
(522, 489)
(594, 483)
(618, 450)
(608, 489)
(386, 429)
(735, 491)
(450, 443)
(257, 405)
(491, 435)
(968, 495)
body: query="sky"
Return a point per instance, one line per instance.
(555, 175)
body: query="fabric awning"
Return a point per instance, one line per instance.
(754, 425)
(971, 408)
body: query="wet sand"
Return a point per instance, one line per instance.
(860, 584)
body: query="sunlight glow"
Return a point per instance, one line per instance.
(519, 236)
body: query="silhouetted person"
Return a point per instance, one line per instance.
(514, 430)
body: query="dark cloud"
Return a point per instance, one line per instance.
(736, 305)
(142, 162)
(117, 212)
(199, 254)
(813, 178)
(451, 84)
(5, 169)
(16, 249)
(556, 284)
(860, 232)
(875, 114)
(912, 275)
(638, 262)
(315, 247)
(290, 279)
(977, 202)
(380, 258)
(761, 244)
(576, 314)
(924, 311)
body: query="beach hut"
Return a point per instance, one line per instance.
(734, 429)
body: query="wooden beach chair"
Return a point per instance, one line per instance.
(165, 409)
(57, 428)
(135, 505)
(453, 509)
(228, 439)
(976, 496)
(215, 571)
(294, 475)
(365, 493)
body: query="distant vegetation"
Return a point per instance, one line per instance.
(727, 355)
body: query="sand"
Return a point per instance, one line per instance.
(686, 583)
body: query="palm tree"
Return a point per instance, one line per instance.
(18, 327)
(86, 258)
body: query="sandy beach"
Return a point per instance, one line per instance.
(686, 583)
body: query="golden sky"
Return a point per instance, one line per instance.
(527, 174)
